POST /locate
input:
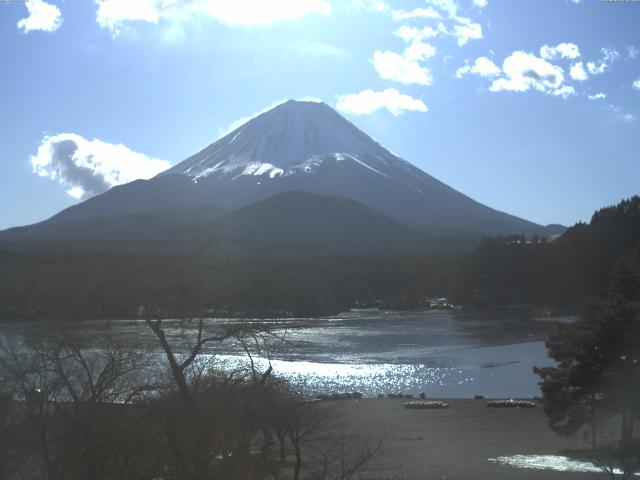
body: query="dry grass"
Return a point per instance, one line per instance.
(453, 443)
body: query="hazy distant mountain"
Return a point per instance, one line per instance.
(301, 147)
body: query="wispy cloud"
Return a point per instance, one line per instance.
(607, 57)
(43, 17)
(619, 114)
(562, 50)
(90, 167)
(369, 101)
(373, 5)
(428, 12)
(318, 49)
(114, 14)
(633, 52)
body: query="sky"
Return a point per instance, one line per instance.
(530, 107)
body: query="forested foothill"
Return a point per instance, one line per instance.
(105, 285)
(595, 385)
(564, 271)
(506, 270)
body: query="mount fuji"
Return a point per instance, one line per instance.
(281, 181)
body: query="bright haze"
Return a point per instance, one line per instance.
(530, 108)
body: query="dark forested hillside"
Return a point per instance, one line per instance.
(80, 286)
(502, 270)
(566, 271)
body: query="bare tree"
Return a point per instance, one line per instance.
(212, 423)
(11, 449)
(342, 457)
(74, 402)
(617, 455)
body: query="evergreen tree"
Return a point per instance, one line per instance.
(598, 372)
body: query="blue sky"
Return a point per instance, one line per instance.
(531, 107)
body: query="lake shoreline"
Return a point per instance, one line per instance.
(539, 310)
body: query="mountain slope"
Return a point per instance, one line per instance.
(300, 223)
(297, 146)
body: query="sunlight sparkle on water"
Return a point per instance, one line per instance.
(549, 462)
(370, 379)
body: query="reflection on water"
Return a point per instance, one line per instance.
(550, 462)
(443, 353)
(503, 371)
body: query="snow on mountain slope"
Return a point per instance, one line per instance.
(295, 137)
(299, 146)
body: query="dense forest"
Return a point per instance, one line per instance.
(565, 271)
(511, 270)
(52, 285)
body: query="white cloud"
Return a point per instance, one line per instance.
(636, 84)
(577, 72)
(562, 50)
(633, 52)
(597, 96)
(428, 12)
(482, 66)
(373, 5)
(608, 56)
(450, 7)
(596, 69)
(466, 30)
(369, 101)
(629, 117)
(524, 71)
(42, 16)
(318, 49)
(411, 34)
(419, 51)
(463, 29)
(564, 91)
(394, 66)
(113, 14)
(407, 33)
(91, 167)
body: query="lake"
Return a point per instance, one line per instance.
(444, 353)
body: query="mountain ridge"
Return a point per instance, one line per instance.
(296, 146)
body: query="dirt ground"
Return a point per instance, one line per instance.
(454, 443)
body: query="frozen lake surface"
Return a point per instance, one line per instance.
(452, 353)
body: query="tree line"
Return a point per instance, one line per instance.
(596, 382)
(111, 285)
(564, 272)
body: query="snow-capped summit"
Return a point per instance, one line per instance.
(295, 147)
(294, 137)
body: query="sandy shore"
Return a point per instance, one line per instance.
(454, 443)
